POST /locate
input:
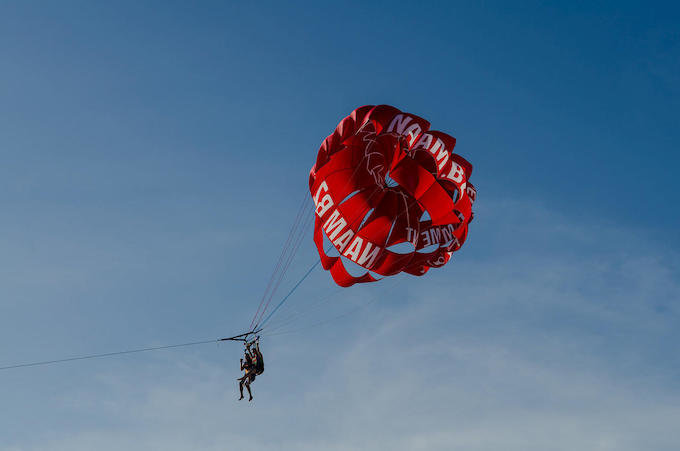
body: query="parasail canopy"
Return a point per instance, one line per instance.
(384, 182)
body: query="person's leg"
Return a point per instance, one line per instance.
(240, 387)
(250, 393)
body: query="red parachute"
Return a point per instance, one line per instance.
(374, 179)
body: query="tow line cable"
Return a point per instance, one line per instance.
(241, 337)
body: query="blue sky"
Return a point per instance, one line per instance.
(152, 159)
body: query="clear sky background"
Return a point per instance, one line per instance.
(152, 159)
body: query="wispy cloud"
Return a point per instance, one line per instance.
(556, 346)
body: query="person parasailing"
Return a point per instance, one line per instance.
(258, 360)
(252, 364)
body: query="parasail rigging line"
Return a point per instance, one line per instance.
(261, 323)
(277, 329)
(301, 233)
(303, 211)
(322, 322)
(304, 311)
(309, 271)
(284, 251)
